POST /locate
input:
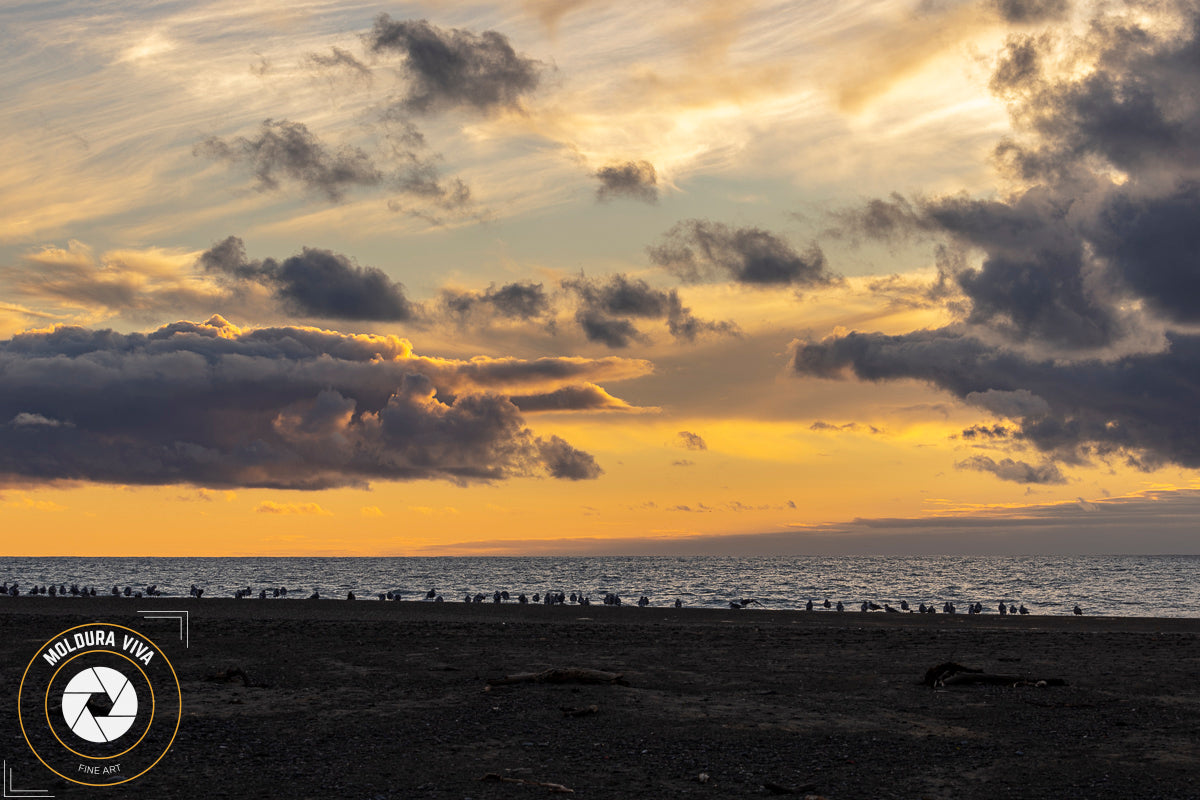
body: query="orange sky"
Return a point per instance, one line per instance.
(730, 277)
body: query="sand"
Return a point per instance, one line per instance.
(370, 699)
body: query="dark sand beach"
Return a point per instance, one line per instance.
(372, 699)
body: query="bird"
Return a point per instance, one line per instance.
(1078, 611)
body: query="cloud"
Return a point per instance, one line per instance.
(455, 68)
(1016, 471)
(605, 310)
(339, 59)
(1122, 99)
(1036, 281)
(516, 301)
(285, 150)
(1142, 405)
(585, 397)
(1011, 404)
(986, 432)
(315, 282)
(1030, 11)
(25, 418)
(823, 427)
(564, 461)
(1122, 94)
(635, 180)
(1075, 321)
(690, 441)
(140, 283)
(697, 250)
(306, 509)
(213, 405)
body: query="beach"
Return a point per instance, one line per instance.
(397, 700)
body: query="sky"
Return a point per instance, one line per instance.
(562, 276)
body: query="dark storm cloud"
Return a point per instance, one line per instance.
(1130, 101)
(1015, 471)
(696, 250)
(635, 180)
(1083, 269)
(449, 68)
(1033, 282)
(1142, 405)
(1152, 243)
(210, 404)
(315, 282)
(519, 301)
(286, 150)
(1075, 261)
(605, 310)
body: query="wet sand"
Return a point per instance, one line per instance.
(371, 699)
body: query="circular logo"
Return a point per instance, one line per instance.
(86, 712)
(99, 704)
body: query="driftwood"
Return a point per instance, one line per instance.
(951, 674)
(562, 675)
(553, 787)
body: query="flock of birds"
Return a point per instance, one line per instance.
(498, 596)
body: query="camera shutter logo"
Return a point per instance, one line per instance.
(80, 712)
(99, 704)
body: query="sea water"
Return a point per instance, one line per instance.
(1158, 586)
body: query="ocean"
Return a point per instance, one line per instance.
(1153, 586)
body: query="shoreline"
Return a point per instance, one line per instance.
(392, 701)
(374, 610)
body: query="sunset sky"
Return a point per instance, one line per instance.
(564, 276)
